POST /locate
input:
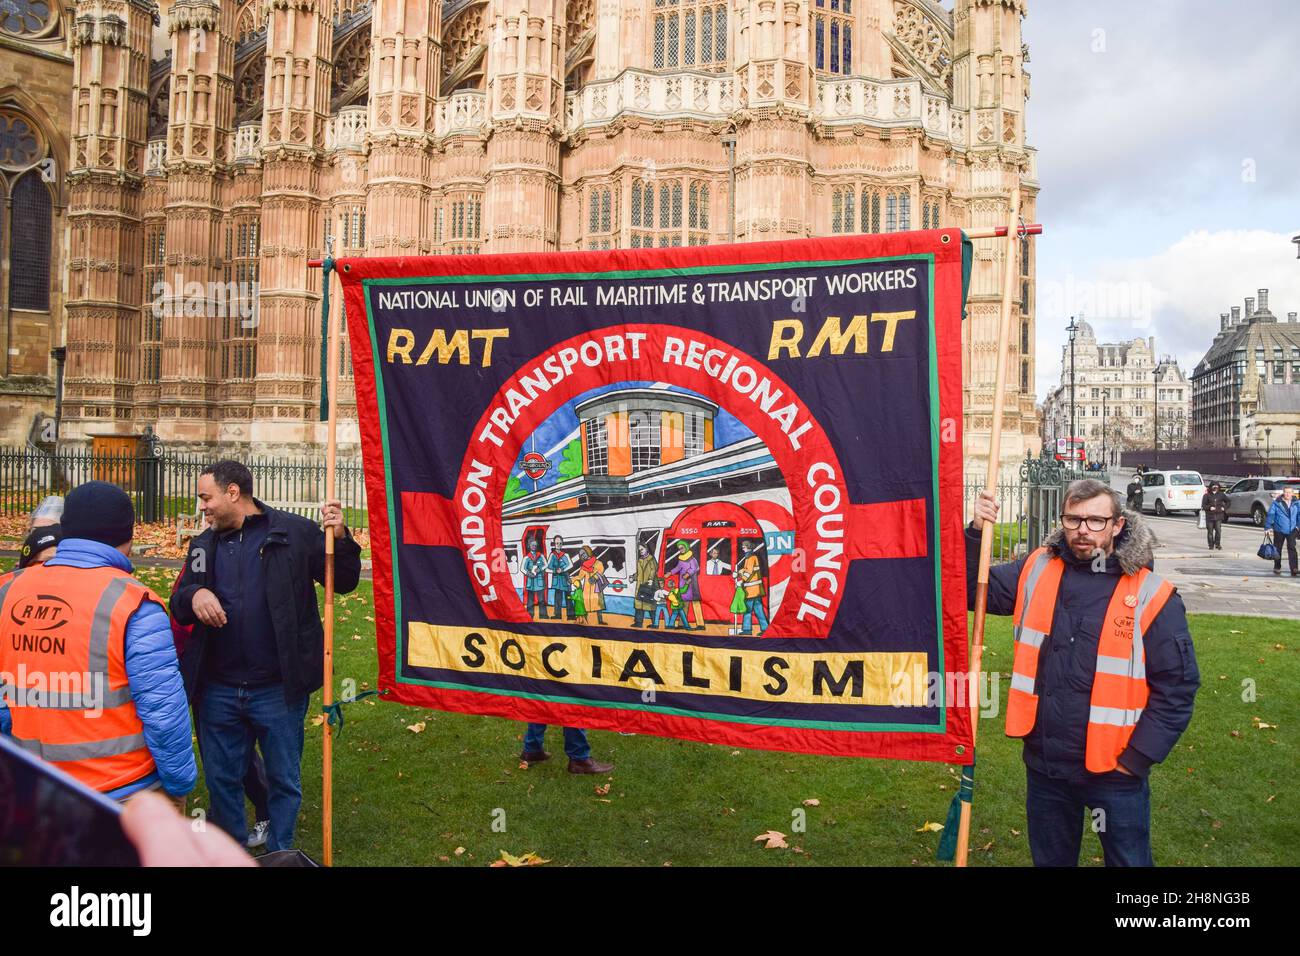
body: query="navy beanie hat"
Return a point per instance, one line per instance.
(98, 511)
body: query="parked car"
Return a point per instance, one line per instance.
(1167, 491)
(1250, 497)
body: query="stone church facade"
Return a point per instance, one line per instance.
(205, 150)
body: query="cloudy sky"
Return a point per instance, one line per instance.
(1168, 134)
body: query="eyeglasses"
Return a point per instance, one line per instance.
(1072, 522)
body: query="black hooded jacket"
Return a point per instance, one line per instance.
(1068, 658)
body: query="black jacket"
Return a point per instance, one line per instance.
(1215, 505)
(1134, 491)
(292, 559)
(1068, 658)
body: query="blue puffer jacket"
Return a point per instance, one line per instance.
(1282, 519)
(152, 674)
(1067, 661)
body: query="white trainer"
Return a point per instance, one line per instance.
(257, 835)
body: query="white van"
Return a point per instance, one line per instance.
(1167, 491)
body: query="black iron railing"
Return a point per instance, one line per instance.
(164, 485)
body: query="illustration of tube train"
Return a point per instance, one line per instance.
(652, 477)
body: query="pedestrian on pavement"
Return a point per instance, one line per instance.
(1104, 675)
(124, 727)
(1283, 522)
(1215, 505)
(257, 650)
(1135, 492)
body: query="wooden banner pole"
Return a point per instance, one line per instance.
(1009, 270)
(331, 446)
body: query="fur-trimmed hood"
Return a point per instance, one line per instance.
(1134, 548)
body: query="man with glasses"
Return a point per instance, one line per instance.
(1104, 675)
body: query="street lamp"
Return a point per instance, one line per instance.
(1268, 451)
(1072, 328)
(1104, 460)
(1156, 414)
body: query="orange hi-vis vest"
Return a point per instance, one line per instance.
(63, 670)
(1119, 686)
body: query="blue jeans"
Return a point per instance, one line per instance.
(1055, 808)
(231, 719)
(254, 780)
(754, 608)
(575, 741)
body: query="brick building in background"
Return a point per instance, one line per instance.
(1124, 398)
(1249, 381)
(213, 146)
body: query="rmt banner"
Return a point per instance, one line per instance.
(711, 493)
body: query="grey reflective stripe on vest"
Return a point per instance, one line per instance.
(112, 747)
(1146, 593)
(1031, 637)
(1028, 635)
(1114, 715)
(1022, 683)
(1035, 572)
(101, 624)
(69, 701)
(1132, 667)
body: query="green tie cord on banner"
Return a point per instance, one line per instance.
(335, 710)
(948, 842)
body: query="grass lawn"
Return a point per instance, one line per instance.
(406, 798)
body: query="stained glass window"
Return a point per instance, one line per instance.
(833, 39)
(19, 146)
(25, 17)
(29, 253)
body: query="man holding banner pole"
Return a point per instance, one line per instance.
(256, 653)
(1104, 675)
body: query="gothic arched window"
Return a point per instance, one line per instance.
(20, 146)
(29, 19)
(27, 175)
(31, 219)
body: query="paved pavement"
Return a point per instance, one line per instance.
(1231, 581)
